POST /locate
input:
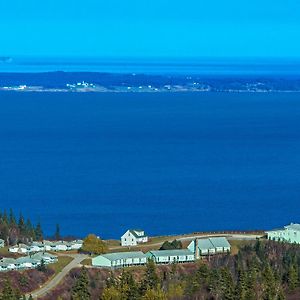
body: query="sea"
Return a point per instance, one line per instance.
(168, 163)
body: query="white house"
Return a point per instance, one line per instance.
(132, 237)
(289, 234)
(1, 243)
(120, 259)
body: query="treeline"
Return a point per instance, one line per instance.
(15, 230)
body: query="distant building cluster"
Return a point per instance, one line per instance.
(46, 246)
(289, 234)
(196, 249)
(26, 262)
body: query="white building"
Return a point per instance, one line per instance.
(289, 234)
(209, 246)
(20, 248)
(120, 259)
(133, 237)
(171, 256)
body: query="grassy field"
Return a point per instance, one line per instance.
(60, 264)
(87, 262)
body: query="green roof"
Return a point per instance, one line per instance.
(220, 242)
(175, 252)
(123, 255)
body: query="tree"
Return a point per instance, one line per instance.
(93, 244)
(57, 233)
(293, 277)
(7, 292)
(155, 294)
(39, 232)
(111, 293)
(80, 289)
(151, 279)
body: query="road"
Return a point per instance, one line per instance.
(53, 282)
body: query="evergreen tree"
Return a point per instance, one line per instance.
(80, 289)
(293, 277)
(151, 279)
(57, 233)
(38, 232)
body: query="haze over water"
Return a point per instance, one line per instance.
(168, 163)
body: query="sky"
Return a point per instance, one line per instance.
(150, 28)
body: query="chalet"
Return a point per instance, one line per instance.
(26, 262)
(20, 248)
(133, 237)
(120, 259)
(46, 257)
(209, 246)
(171, 256)
(2, 244)
(289, 234)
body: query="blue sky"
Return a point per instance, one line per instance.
(156, 28)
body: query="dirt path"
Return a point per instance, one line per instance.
(78, 258)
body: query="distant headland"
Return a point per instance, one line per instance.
(131, 82)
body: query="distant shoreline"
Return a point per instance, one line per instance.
(137, 83)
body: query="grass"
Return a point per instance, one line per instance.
(4, 251)
(87, 262)
(60, 264)
(236, 245)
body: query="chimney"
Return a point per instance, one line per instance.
(197, 255)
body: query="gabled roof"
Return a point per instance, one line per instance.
(175, 252)
(293, 226)
(133, 232)
(123, 255)
(220, 242)
(204, 244)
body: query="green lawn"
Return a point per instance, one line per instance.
(60, 264)
(87, 262)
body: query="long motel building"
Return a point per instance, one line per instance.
(289, 234)
(120, 259)
(171, 256)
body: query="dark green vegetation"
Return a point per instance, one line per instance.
(260, 270)
(171, 245)
(13, 230)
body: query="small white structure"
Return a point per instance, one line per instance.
(20, 248)
(26, 262)
(46, 246)
(171, 256)
(132, 237)
(1, 243)
(120, 259)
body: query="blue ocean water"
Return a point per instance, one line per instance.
(168, 163)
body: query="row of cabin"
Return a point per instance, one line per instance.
(46, 246)
(288, 234)
(204, 247)
(26, 262)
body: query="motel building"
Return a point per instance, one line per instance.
(120, 259)
(209, 246)
(289, 234)
(171, 256)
